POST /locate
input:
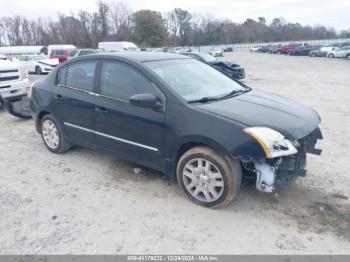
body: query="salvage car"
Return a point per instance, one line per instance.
(271, 49)
(232, 70)
(14, 83)
(303, 50)
(287, 49)
(38, 64)
(341, 52)
(216, 52)
(322, 52)
(80, 52)
(179, 116)
(60, 54)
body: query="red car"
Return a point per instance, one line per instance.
(61, 54)
(287, 49)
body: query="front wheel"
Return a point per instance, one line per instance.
(52, 135)
(38, 70)
(207, 178)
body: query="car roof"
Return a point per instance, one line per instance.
(142, 56)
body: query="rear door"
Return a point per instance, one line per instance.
(135, 133)
(74, 101)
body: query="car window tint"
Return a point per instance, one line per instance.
(86, 52)
(120, 81)
(72, 53)
(59, 52)
(61, 76)
(81, 75)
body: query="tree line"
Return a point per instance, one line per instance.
(115, 21)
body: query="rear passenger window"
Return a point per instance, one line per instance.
(120, 81)
(81, 75)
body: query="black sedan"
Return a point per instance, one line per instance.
(179, 116)
(231, 69)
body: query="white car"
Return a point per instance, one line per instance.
(341, 52)
(3, 57)
(254, 49)
(118, 46)
(38, 64)
(14, 83)
(216, 52)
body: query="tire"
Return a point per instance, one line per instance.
(348, 57)
(227, 177)
(38, 70)
(330, 56)
(313, 55)
(52, 131)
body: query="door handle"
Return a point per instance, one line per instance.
(59, 98)
(101, 110)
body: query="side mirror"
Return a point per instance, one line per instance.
(145, 100)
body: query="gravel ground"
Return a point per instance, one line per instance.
(84, 202)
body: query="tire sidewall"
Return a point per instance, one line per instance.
(227, 184)
(38, 70)
(59, 131)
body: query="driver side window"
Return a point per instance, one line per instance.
(120, 81)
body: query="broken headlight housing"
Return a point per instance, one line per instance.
(273, 143)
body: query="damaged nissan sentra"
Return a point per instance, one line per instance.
(179, 116)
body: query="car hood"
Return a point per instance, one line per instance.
(50, 61)
(258, 108)
(7, 64)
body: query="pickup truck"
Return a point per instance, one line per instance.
(14, 83)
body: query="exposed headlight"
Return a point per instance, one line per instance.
(23, 73)
(273, 143)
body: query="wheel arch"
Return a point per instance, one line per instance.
(186, 144)
(40, 116)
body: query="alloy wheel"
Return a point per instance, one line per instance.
(50, 134)
(203, 180)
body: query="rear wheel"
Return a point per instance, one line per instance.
(331, 55)
(207, 178)
(52, 135)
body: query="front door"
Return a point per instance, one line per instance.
(135, 133)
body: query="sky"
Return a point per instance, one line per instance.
(334, 13)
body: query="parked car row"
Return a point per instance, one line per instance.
(339, 50)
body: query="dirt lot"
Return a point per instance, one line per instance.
(87, 202)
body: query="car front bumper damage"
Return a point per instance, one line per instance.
(281, 172)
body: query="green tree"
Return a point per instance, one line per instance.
(149, 29)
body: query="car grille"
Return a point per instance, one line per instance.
(8, 75)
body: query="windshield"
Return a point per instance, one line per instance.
(192, 79)
(207, 57)
(39, 57)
